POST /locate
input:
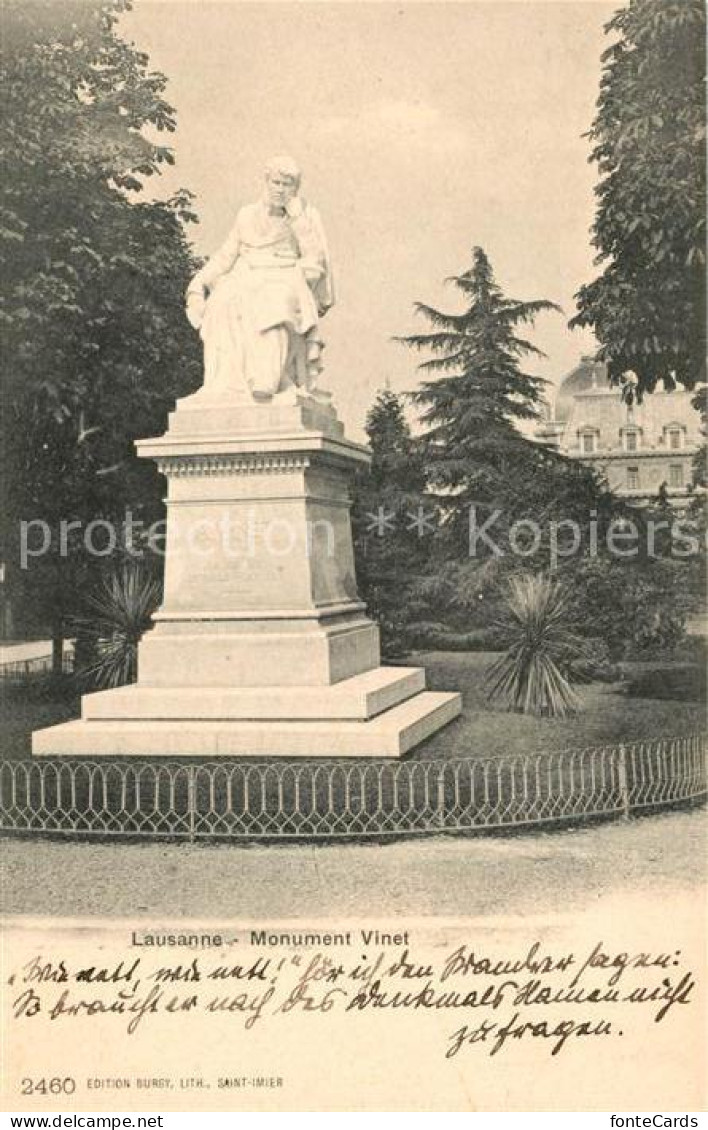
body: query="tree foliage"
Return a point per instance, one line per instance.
(95, 344)
(637, 607)
(510, 505)
(474, 450)
(390, 549)
(647, 308)
(479, 395)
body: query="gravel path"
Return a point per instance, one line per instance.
(530, 873)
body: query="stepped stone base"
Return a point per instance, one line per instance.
(390, 733)
(356, 699)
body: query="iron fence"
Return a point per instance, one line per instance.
(22, 670)
(246, 800)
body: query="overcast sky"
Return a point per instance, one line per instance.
(422, 129)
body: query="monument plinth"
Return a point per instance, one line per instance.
(262, 646)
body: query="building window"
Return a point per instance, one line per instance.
(633, 478)
(676, 475)
(588, 443)
(674, 438)
(631, 441)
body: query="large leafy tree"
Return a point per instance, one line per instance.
(95, 343)
(647, 308)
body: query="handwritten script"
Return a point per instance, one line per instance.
(494, 1001)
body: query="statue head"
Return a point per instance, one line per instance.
(282, 177)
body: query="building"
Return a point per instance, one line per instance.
(638, 447)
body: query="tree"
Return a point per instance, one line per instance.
(475, 454)
(647, 308)
(508, 504)
(96, 346)
(391, 523)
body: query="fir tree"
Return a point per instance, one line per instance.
(475, 454)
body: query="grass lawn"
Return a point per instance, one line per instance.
(24, 709)
(610, 714)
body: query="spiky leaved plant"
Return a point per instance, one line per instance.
(118, 612)
(535, 674)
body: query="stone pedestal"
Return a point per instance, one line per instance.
(262, 646)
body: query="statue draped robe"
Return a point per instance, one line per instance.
(267, 287)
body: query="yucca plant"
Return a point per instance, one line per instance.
(118, 612)
(535, 674)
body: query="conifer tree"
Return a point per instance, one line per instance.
(392, 522)
(476, 455)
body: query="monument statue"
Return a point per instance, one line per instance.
(257, 302)
(262, 647)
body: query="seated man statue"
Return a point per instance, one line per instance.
(258, 300)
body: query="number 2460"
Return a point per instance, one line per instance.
(55, 1086)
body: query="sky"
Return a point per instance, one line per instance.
(422, 129)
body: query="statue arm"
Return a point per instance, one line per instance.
(219, 263)
(315, 256)
(324, 287)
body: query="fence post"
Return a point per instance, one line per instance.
(191, 801)
(622, 779)
(440, 799)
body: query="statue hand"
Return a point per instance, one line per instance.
(196, 305)
(295, 207)
(312, 271)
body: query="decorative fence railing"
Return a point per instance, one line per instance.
(20, 670)
(242, 800)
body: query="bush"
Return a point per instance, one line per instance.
(681, 682)
(535, 674)
(594, 664)
(119, 612)
(635, 607)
